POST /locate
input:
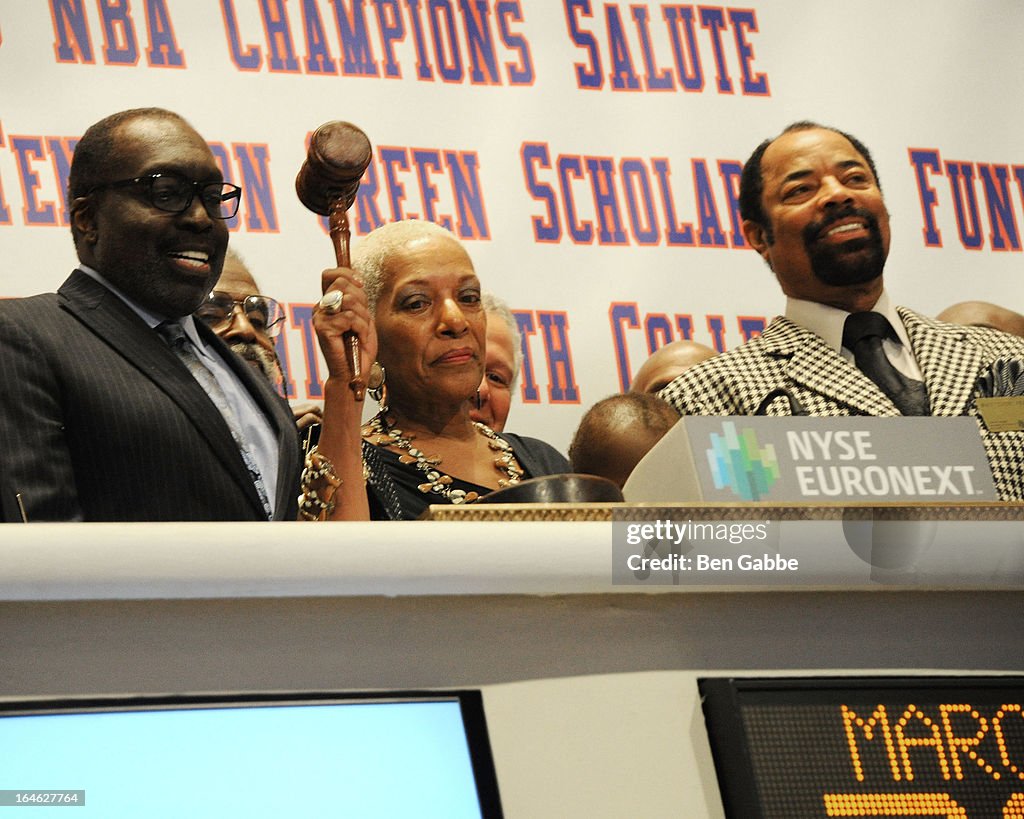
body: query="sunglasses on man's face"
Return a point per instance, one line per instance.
(264, 313)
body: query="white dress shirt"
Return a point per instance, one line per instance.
(828, 323)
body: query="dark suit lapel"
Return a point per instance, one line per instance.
(814, 365)
(125, 332)
(950, 367)
(274, 408)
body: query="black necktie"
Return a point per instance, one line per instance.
(863, 334)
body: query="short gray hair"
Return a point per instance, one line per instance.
(374, 251)
(497, 306)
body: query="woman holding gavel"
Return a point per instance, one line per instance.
(415, 307)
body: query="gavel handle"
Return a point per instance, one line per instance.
(340, 234)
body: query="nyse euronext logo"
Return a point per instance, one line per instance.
(737, 461)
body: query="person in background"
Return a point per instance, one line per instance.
(813, 209)
(667, 363)
(248, 322)
(504, 358)
(119, 406)
(617, 432)
(984, 314)
(413, 301)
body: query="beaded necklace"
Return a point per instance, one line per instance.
(381, 432)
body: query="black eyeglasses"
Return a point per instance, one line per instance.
(264, 313)
(173, 193)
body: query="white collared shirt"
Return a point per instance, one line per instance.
(828, 323)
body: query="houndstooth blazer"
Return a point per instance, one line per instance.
(786, 355)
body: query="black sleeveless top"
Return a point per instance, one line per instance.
(393, 487)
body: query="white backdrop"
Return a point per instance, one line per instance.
(506, 118)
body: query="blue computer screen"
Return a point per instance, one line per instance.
(353, 759)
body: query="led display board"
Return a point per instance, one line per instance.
(950, 747)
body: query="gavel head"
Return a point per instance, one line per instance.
(339, 153)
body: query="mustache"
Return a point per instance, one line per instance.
(815, 229)
(263, 359)
(250, 352)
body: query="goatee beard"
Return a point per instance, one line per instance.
(855, 261)
(266, 362)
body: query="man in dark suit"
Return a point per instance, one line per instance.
(813, 209)
(116, 404)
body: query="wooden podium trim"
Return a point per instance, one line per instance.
(601, 512)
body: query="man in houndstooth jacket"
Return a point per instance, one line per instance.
(812, 207)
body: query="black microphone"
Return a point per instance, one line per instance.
(795, 407)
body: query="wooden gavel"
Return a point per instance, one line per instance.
(327, 184)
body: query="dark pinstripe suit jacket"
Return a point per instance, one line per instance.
(786, 355)
(99, 420)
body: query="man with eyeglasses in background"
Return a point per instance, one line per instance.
(116, 404)
(249, 322)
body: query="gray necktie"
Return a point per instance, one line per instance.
(863, 334)
(174, 334)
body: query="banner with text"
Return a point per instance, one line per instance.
(587, 153)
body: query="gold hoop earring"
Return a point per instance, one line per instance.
(377, 385)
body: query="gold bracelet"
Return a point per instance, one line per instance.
(319, 484)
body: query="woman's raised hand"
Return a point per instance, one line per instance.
(344, 309)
